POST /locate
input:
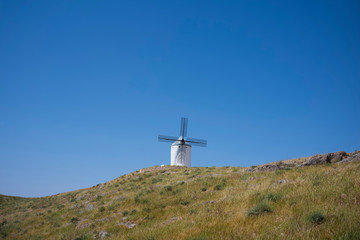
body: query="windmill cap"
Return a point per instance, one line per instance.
(178, 142)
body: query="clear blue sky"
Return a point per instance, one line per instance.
(86, 86)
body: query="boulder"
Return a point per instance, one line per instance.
(336, 157)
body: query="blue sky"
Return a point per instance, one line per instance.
(86, 86)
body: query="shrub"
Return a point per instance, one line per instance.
(260, 208)
(168, 188)
(192, 211)
(125, 213)
(138, 199)
(203, 189)
(177, 191)
(74, 220)
(101, 209)
(156, 180)
(146, 210)
(219, 187)
(273, 197)
(184, 202)
(316, 217)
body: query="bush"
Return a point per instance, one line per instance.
(74, 220)
(219, 187)
(203, 189)
(147, 210)
(260, 208)
(192, 211)
(156, 180)
(316, 217)
(125, 213)
(168, 188)
(273, 197)
(101, 209)
(184, 202)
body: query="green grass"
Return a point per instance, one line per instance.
(197, 203)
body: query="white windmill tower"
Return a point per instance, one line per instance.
(181, 147)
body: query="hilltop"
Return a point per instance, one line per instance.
(315, 197)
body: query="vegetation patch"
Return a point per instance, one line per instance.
(274, 197)
(316, 217)
(211, 206)
(260, 208)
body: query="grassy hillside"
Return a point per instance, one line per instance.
(310, 202)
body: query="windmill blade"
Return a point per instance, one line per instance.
(196, 142)
(163, 138)
(183, 127)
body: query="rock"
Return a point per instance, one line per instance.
(336, 157)
(171, 220)
(102, 219)
(127, 224)
(74, 206)
(282, 181)
(82, 224)
(354, 156)
(89, 207)
(103, 234)
(324, 158)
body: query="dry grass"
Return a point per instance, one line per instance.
(196, 203)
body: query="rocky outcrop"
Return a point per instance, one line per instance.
(354, 156)
(324, 158)
(337, 157)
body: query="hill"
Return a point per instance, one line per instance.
(316, 197)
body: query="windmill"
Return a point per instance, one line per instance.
(181, 147)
